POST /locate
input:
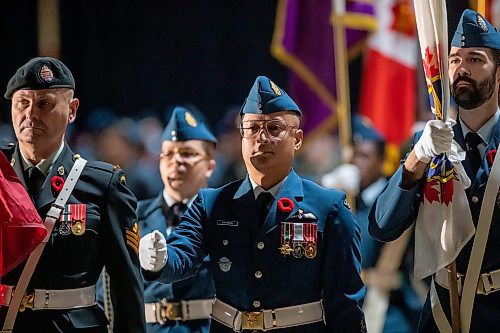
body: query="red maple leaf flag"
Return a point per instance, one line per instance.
(389, 76)
(21, 228)
(431, 193)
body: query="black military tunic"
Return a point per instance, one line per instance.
(109, 238)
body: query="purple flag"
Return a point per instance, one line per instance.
(303, 41)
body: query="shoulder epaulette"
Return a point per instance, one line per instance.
(103, 166)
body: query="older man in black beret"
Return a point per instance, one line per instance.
(88, 210)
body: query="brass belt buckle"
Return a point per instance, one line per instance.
(170, 311)
(252, 320)
(27, 302)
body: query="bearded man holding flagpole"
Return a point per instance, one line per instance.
(449, 184)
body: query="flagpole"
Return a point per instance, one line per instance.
(49, 37)
(342, 83)
(433, 35)
(481, 7)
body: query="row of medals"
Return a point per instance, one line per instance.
(74, 226)
(299, 250)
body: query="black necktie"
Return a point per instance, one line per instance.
(264, 201)
(35, 182)
(176, 211)
(473, 156)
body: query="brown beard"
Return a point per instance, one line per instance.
(472, 97)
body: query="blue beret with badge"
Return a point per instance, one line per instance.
(186, 125)
(474, 30)
(40, 73)
(266, 97)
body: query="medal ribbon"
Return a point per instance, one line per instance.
(299, 233)
(311, 232)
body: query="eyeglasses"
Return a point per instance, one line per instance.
(274, 128)
(187, 156)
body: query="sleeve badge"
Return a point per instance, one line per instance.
(132, 237)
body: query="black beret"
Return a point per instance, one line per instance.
(40, 73)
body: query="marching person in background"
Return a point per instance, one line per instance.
(363, 179)
(186, 163)
(475, 77)
(120, 144)
(90, 217)
(284, 251)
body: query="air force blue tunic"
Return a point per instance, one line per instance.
(252, 274)
(396, 209)
(152, 217)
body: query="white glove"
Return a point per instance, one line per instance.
(153, 251)
(436, 139)
(346, 177)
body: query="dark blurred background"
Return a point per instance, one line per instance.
(139, 57)
(134, 60)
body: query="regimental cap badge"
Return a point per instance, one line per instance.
(481, 23)
(190, 119)
(45, 74)
(275, 88)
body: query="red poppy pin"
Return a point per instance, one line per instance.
(490, 157)
(285, 205)
(57, 183)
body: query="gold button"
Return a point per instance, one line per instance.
(260, 245)
(225, 242)
(475, 199)
(256, 304)
(258, 274)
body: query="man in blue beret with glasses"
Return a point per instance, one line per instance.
(283, 250)
(87, 208)
(475, 77)
(186, 163)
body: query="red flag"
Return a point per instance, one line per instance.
(493, 12)
(388, 87)
(21, 228)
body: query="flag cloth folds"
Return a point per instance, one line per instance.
(21, 228)
(444, 223)
(303, 41)
(388, 89)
